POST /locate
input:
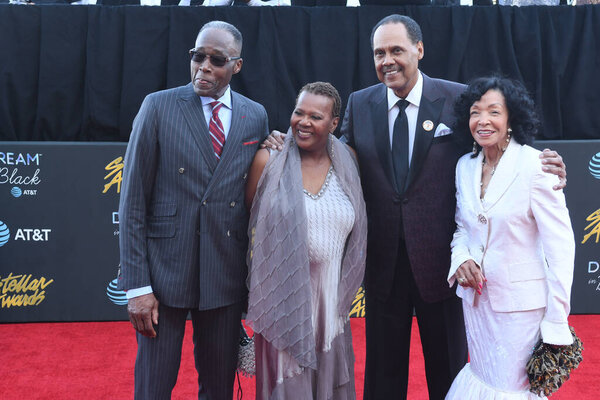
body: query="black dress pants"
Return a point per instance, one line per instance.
(388, 332)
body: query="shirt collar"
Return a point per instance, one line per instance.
(414, 97)
(225, 99)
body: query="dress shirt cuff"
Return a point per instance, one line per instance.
(557, 333)
(131, 293)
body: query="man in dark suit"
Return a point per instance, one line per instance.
(410, 212)
(183, 222)
(407, 155)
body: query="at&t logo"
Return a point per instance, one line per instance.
(24, 234)
(118, 297)
(4, 234)
(31, 234)
(17, 192)
(595, 166)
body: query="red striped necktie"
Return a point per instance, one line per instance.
(217, 133)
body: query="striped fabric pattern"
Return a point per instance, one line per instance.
(217, 133)
(183, 220)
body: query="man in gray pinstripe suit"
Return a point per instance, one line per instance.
(183, 222)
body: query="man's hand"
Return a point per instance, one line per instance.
(274, 141)
(143, 312)
(553, 164)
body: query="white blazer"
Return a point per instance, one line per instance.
(520, 235)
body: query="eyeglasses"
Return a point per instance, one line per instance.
(217, 61)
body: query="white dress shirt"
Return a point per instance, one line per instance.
(224, 112)
(412, 112)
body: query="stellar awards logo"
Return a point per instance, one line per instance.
(115, 175)
(592, 237)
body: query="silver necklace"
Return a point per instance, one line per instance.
(323, 188)
(493, 167)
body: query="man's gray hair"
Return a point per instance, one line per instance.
(226, 26)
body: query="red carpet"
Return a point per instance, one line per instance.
(94, 360)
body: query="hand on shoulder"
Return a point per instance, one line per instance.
(553, 163)
(274, 141)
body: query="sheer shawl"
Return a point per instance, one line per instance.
(279, 303)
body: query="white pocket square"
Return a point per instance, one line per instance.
(442, 130)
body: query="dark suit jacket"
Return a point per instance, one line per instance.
(182, 217)
(425, 206)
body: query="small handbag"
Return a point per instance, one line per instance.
(246, 357)
(549, 367)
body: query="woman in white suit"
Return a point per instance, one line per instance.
(513, 249)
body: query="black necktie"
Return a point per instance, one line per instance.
(400, 146)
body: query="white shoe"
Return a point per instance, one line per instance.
(353, 3)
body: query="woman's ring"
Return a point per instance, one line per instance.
(461, 280)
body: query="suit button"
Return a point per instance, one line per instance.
(232, 204)
(198, 233)
(396, 200)
(245, 176)
(481, 248)
(181, 170)
(228, 233)
(405, 201)
(204, 203)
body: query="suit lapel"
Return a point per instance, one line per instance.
(191, 106)
(381, 133)
(506, 172)
(430, 109)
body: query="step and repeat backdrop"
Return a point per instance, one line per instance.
(59, 229)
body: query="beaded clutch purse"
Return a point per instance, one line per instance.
(246, 357)
(549, 367)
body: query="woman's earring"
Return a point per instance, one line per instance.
(507, 139)
(474, 148)
(331, 144)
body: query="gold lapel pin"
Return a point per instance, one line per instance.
(427, 125)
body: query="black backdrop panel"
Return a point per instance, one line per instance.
(59, 229)
(80, 73)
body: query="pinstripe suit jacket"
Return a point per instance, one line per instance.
(182, 217)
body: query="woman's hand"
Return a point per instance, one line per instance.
(274, 141)
(469, 275)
